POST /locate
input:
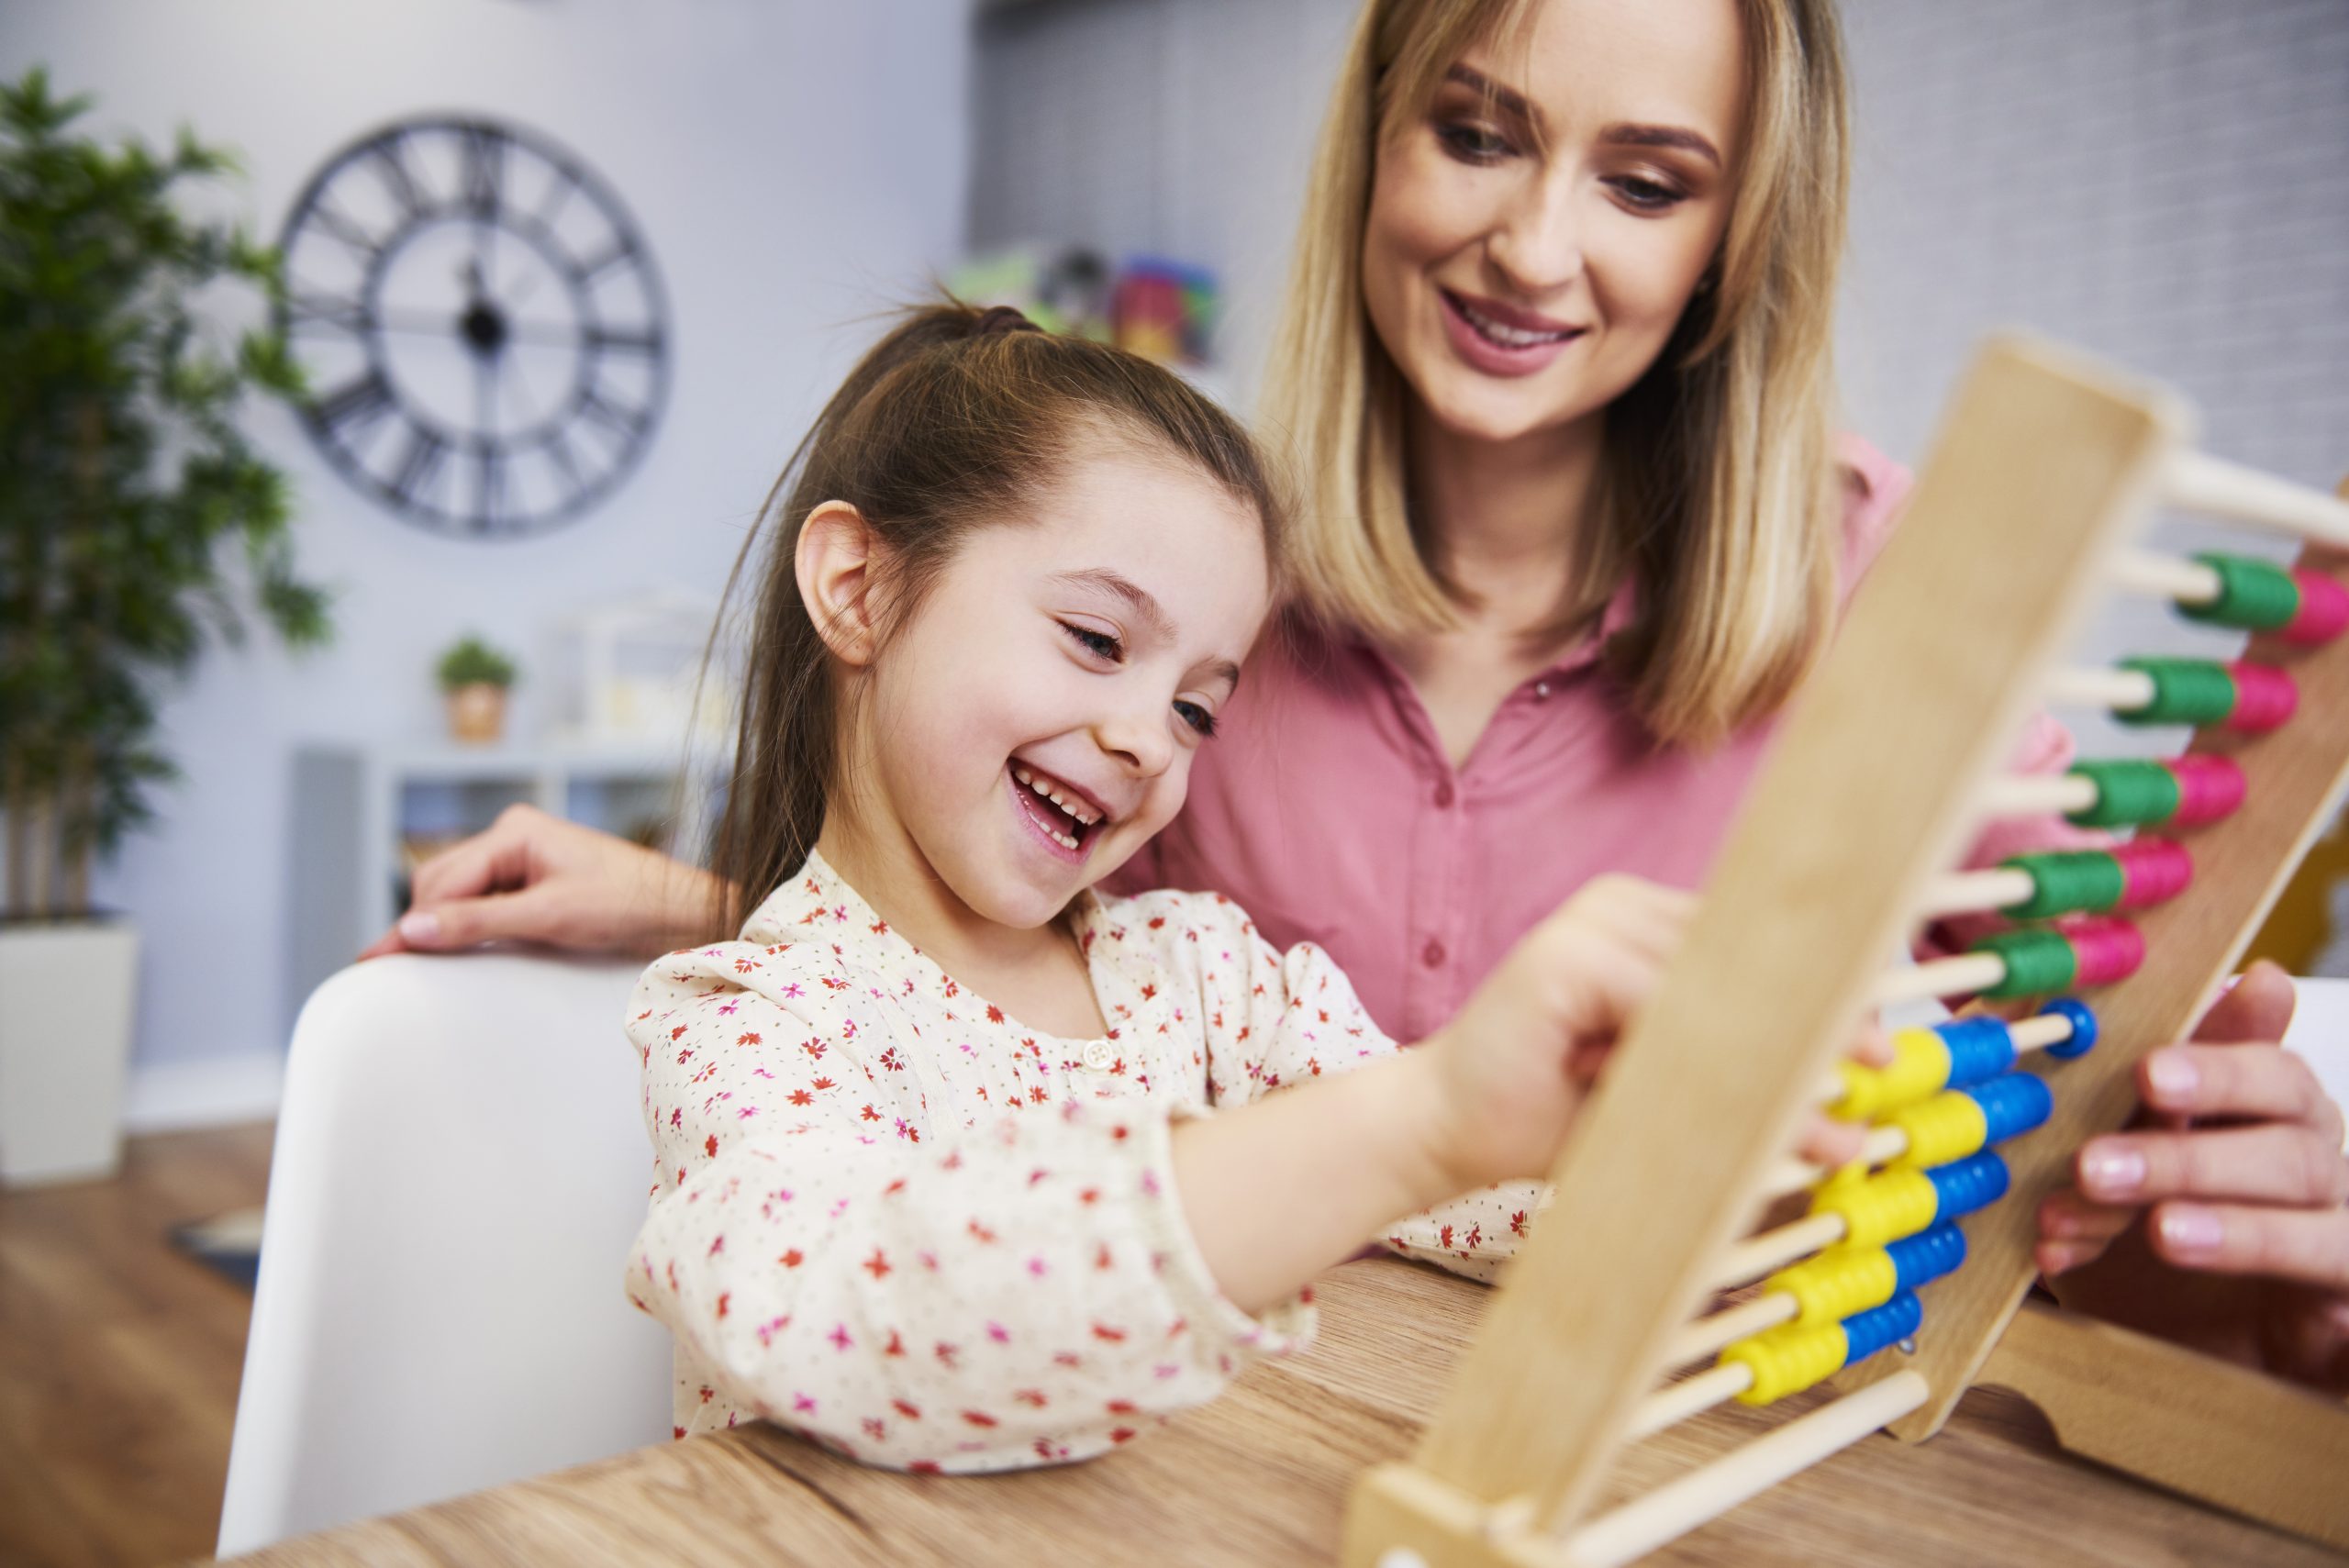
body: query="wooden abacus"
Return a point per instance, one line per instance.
(2026, 511)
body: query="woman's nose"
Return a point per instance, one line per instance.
(1537, 243)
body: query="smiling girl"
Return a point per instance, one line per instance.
(936, 1177)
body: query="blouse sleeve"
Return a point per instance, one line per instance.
(1277, 1017)
(912, 1291)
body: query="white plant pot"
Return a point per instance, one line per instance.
(66, 991)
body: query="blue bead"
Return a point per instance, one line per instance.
(2013, 1104)
(1979, 1048)
(2082, 1024)
(1963, 1185)
(1926, 1256)
(1865, 1333)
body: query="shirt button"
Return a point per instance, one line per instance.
(1540, 691)
(1444, 795)
(1097, 1056)
(1433, 955)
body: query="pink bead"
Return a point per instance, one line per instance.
(2324, 608)
(2104, 948)
(2264, 698)
(2152, 869)
(2208, 788)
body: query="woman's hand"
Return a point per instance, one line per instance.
(536, 878)
(2238, 1178)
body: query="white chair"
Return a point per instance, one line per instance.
(460, 1166)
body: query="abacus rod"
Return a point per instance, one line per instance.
(2172, 577)
(1939, 977)
(2122, 691)
(1676, 1402)
(1772, 1250)
(1793, 1173)
(1971, 891)
(1731, 1324)
(2034, 1033)
(1674, 1509)
(2037, 795)
(2196, 482)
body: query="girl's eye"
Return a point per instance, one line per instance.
(1100, 644)
(1197, 717)
(1472, 143)
(1645, 195)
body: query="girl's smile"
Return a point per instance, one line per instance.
(1061, 814)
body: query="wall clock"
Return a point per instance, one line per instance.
(481, 323)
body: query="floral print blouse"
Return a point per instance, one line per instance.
(888, 1215)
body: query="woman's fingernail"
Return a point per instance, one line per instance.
(2113, 1172)
(420, 927)
(2173, 1075)
(2191, 1230)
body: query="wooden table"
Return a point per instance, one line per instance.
(1260, 1477)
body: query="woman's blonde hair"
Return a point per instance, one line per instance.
(1719, 498)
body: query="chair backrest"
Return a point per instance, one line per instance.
(460, 1165)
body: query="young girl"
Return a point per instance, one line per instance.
(938, 1181)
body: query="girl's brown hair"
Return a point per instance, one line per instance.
(952, 419)
(1722, 498)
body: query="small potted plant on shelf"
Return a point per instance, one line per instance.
(474, 677)
(135, 522)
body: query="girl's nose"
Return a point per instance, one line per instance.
(1536, 245)
(1140, 740)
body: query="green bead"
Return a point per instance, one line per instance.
(2128, 792)
(2065, 881)
(2038, 963)
(2257, 596)
(2185, 691)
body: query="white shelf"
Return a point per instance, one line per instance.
(354, 808)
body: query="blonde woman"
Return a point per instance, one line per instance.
(1556, 372)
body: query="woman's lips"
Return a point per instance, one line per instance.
(1499, 347)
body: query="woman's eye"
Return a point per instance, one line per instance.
(1197, 717)
(1472, 143)
(1100, 644)
(1647, 195)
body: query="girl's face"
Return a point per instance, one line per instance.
(1520, 283)
(1033, 721)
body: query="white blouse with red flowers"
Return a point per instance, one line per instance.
(891, 1217)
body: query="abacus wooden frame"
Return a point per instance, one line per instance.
(2044, 470)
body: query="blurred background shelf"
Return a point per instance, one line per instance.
(364, 818)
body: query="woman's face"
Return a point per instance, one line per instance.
(1534, 236)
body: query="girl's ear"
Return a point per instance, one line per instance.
(832, 562)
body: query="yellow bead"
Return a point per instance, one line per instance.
(1948, 1126)
(1896, 1202)
(1787, 1359)
(1838, 1282)
(1920, 1067)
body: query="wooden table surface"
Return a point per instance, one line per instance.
(1260, 1477)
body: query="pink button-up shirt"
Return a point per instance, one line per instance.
(1326, 806)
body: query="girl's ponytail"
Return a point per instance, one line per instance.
(947, 423)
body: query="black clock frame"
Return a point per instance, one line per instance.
(376, 392)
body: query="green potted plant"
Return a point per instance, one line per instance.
(137, 524)
(474, 677)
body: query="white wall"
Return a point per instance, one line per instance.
(793, 165)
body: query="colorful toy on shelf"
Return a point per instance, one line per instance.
(1904, 1283)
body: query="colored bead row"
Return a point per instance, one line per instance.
(1956, 1054)
(2078, 950)
(2238, 696)
(1901, 1200)
(1844, 1280)
(2144, 872)
(2181, 792)
(1790, 1359)
(2296, 604)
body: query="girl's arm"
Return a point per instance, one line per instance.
(1280, 1187)
(837, 1256)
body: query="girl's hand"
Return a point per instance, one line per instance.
(2238, 1177)
(1514, 1065)
(536, 878)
